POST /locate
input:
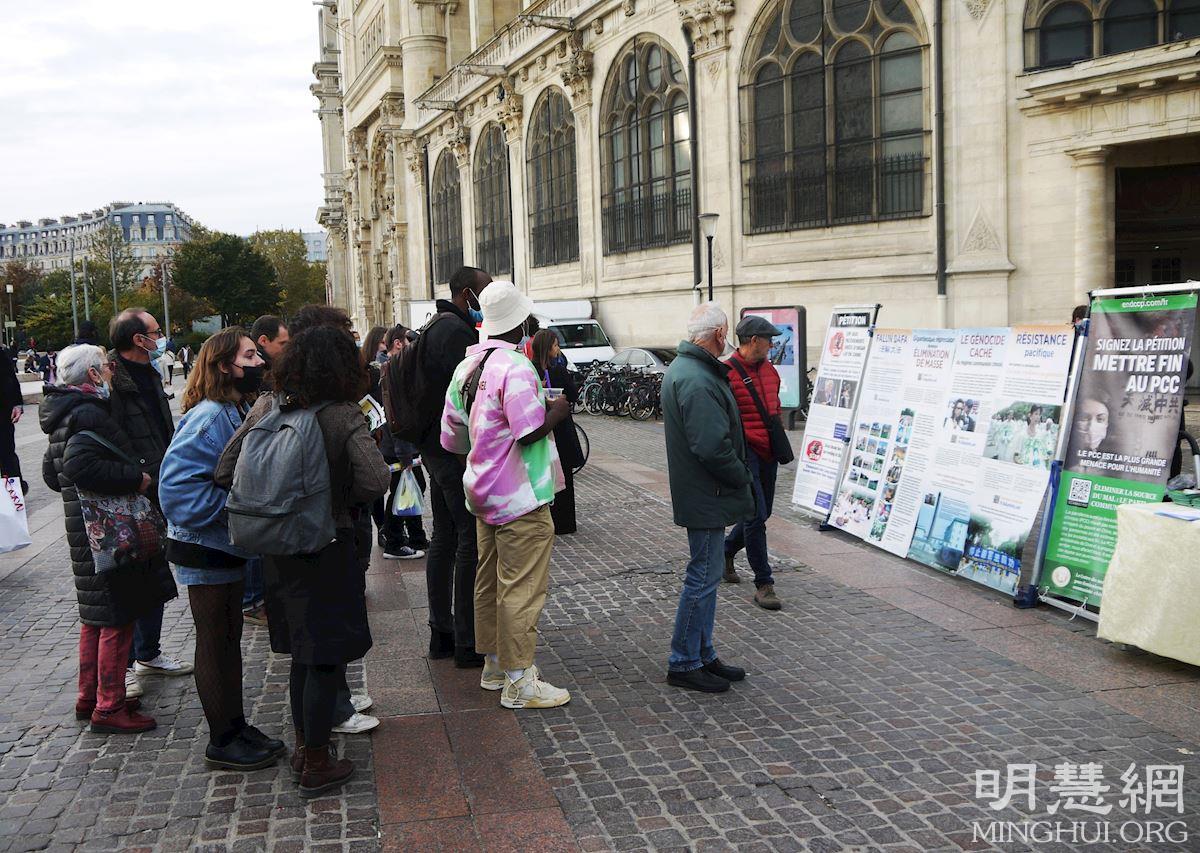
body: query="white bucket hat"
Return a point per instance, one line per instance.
(504, 308)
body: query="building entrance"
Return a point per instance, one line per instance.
(1157, 238)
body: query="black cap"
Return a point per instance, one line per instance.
(754, 326)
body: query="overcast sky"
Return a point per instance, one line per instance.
(202, 104)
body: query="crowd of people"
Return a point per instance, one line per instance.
(477, 400)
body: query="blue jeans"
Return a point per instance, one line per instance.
(147, 631)
(752, 535)
(255, 590)
(691, 643)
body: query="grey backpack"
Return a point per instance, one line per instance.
(279, 502)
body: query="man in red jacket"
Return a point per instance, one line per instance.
(754, 376)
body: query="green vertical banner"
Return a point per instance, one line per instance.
(1124, 431)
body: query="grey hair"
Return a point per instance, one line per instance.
(705, 321)
(75, 361)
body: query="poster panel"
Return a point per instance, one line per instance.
(835, 395)
(787, 351)
(1123, 433)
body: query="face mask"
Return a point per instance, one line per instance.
(160, 346)
(473, 311)
(250, 382)
(382, 357)
(104, 389)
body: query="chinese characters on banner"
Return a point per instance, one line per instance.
(1123, 433)
(835, 394)
(952, 444)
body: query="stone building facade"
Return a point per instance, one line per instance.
(152, 230)
(570, 144)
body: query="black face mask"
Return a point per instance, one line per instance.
(250, 382)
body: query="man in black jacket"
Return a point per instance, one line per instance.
(11, 409)
(450, 566)
(140, 407)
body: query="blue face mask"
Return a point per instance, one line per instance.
(160, 346)
(474, 313)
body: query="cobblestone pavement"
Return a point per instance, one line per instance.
(873, 699)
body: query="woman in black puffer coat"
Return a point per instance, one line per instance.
(108, 602)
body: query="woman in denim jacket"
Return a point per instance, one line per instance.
(227, 370)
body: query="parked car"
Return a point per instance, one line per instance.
(654, 359)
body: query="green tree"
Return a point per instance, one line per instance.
(186, 308)
(109, 249)
(300, 281)
(225, 271)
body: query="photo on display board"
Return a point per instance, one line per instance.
(853, 506)
(904, 427)
(962, 415)
(826, 393)
(1024, 433)
(940, 536)
(846, 390)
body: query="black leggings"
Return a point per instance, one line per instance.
(217, 612)
(313, 689)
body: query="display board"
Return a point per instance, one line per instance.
(1124, 430)
(952, 443)
(789, 351)
(835, 395)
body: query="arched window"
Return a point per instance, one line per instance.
(1183, 21)
(550, 166)
(447, 218)
(1066, 35)
(646, 131)
(834, 115)
(493, 212)
(1130, 24)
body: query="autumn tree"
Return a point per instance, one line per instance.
(300, 281)
(109, 249)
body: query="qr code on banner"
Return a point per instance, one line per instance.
(1080, 493)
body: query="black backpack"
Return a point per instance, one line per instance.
(411, 406)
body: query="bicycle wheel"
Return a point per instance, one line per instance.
(584, 446)
(591, 398)
(641, 404)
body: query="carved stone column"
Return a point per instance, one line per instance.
(1093, 247)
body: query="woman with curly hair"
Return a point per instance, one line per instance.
(316, 603)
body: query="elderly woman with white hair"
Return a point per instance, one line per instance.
(89, 451)
(710, 490)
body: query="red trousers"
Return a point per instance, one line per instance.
(103, 654)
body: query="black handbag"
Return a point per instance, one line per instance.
(781, 446)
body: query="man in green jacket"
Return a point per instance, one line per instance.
(710, 490)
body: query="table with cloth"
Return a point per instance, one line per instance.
(1151, 593)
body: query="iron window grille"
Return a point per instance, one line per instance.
(550, 168)
(646, 132)
(493, 211)
(447, 218)
(834, 114)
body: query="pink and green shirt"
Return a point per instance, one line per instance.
(504, 479)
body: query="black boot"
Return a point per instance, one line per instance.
(254, 737)
(239, 754)
(441, 644)
(724, 670)
(465, 657)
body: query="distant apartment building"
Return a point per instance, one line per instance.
(151, 229)
(315, 243)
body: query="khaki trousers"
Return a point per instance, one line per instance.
(510, 586)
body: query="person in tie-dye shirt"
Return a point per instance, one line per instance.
(497, 417)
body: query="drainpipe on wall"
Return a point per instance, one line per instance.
(939, 165)
(428, 217)
(694, 146)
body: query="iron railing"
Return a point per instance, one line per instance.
(788, 200)
(556, 241)
(495, 254)
(653, 221)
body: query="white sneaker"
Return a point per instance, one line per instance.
(163, 665)
(531, 692)
(357, 724)
(493, 676)
(361, 701)
(133, 687)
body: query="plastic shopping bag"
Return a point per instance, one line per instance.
(14, 527)
(407, 502)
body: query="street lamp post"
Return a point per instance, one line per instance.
(74, 303)
(87, 304)
(708, 226)
(166, 295)
(12, 315)
(112, 260)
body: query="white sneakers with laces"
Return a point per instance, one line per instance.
(357, 724)
(530, 692)
(163, 665)
(133, 687)
(493, 676)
